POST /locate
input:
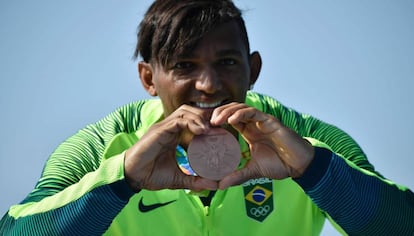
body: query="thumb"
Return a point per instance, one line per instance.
(235, 178)
(197, 183)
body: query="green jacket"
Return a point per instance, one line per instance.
(82, 190)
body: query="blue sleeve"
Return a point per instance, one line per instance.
(360, 202)
(91, 214)
(79, 191)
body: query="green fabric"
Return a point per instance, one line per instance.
(110, 171)
(227, 213)
(93, 158)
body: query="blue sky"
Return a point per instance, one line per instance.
(65, 64)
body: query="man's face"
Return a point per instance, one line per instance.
(215, 73)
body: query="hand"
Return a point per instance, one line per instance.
(151, 163)
(277, 152)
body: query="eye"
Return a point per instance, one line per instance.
(184, 65)
(227, 61)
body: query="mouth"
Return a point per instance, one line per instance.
(206, 105)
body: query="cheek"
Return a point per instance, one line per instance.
(173, 95)
(236, 82)
(239, 89)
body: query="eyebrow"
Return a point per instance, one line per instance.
(230, 52)
(223, 53)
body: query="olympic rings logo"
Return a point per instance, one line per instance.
(260, 211)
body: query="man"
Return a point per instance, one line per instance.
(128, 174)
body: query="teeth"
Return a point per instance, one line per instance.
(207, 105)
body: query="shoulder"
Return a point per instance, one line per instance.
(266, 103)
(129, 117)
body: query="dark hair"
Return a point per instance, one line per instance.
(174, 27)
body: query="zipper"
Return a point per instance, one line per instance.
(202, 211)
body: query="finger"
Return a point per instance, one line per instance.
(235, 113)
(197, 183)
(236, 178)
(247, 115)
(268, 124)
(182, 120)
(204, 114)
(221, 114)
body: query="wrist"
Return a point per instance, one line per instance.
(122, 189)
(129, 174)
(306, 159)
(316, 168)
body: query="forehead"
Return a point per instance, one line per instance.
(223, 40)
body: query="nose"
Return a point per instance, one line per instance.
(208, 81)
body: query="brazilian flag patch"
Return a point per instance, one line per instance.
(258, 195)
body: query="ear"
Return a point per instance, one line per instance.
(145, 72)
(255, 67)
